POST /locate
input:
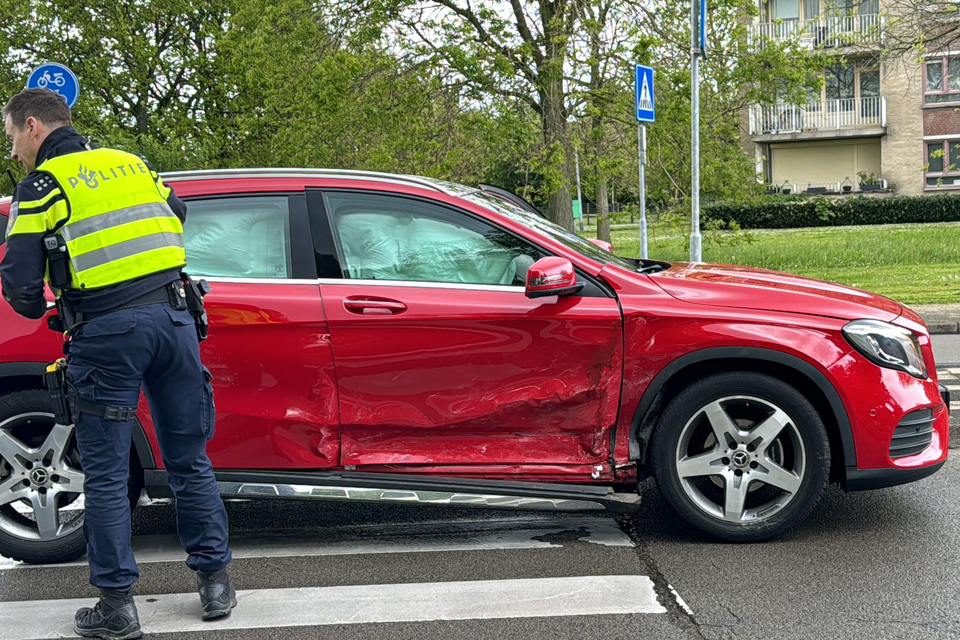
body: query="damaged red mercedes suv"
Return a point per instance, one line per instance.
(386, 337)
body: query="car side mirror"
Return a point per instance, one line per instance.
(551, 276)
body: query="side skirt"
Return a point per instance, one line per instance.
(410, 489)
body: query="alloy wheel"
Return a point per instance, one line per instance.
(740, 459)
(41, 484)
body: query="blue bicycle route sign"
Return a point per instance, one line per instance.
(58, 78)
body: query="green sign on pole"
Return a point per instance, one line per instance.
(576, 210)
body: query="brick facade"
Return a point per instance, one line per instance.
(941, 121)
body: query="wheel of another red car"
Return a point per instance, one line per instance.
(742, 456)
(41, 483)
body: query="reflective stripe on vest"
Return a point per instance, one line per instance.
(120, 226)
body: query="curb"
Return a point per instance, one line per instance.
(943, 328)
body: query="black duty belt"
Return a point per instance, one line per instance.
(165, 293)
(67, 320)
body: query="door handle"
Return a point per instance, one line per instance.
(373, 306)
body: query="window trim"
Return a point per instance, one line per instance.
(945, 82)
(297, 219)
(947, 161)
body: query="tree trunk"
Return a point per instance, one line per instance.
(603, 210)
(554, 138)
(143, 118)
(556, 32)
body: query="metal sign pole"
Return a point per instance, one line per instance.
(642, 158)
(576, 159)
(695, 255)
(646, 112)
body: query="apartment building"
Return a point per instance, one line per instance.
(880, 122)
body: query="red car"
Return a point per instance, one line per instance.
(384, 337)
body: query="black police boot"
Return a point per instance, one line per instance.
(217, 597)
(114, 617)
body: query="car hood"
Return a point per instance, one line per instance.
(763, 289)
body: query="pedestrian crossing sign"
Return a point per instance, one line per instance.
(644, 97)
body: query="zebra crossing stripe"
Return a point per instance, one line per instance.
(361, 604)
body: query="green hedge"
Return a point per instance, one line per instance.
(784, 212)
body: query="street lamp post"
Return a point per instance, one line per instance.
(695, 52)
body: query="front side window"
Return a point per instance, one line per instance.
(382, 237)
(941, 80)
(238, 237)
(943, 164)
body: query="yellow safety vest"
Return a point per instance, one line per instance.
(118, 225)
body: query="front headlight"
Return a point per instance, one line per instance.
(887, 345)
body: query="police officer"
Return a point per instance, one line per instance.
(122, 232)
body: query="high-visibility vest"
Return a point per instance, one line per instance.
(118, 225)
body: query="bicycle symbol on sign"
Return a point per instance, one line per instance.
(57, 80)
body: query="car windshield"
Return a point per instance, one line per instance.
(536, 223)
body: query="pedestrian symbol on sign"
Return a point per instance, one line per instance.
(645, 103)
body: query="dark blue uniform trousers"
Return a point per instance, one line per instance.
(109, 358)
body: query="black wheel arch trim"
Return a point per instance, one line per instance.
(35, 369)
(659, 382)
(142, 445)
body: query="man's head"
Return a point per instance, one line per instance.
(29, 118)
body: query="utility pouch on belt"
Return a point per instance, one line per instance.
(194, 292)
(58, 260)
(55, 379)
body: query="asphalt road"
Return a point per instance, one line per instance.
(875, 565)
(946, 349)
(883, 564)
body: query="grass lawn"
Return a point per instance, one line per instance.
(912, 263)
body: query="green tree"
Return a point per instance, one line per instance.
(508, 55)
(330, 98)
(147, 69)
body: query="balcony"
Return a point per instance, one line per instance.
(848, 117)
(824, 31)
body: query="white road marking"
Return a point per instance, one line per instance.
(362, 604)
(680, 601)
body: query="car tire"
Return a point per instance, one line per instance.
(26, 421)
(742, 456)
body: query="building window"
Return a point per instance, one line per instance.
(840, 83)
(849, 88)
(942, 80)
(786, 10)
(943, 165)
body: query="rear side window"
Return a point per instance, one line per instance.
(239, 237)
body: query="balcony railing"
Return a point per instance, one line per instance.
(825, 115)
(824, 31)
